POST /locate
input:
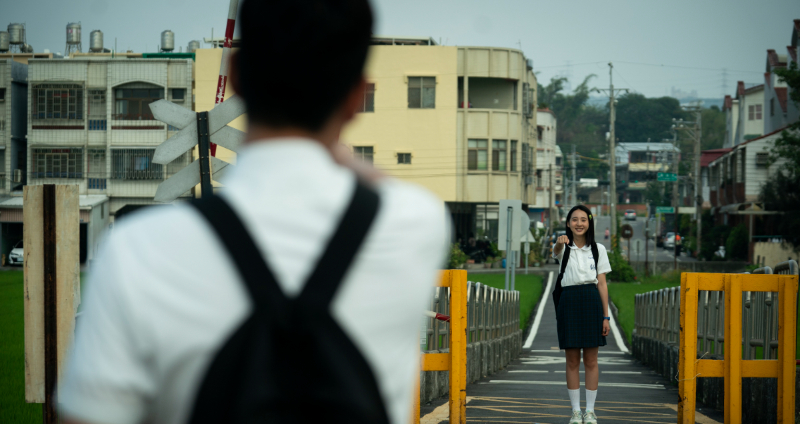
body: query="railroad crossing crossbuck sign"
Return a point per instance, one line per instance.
(197, 128)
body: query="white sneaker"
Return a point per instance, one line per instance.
(576, 417)
(589, 418)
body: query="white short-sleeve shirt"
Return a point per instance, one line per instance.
(580, 266)
(164, 296)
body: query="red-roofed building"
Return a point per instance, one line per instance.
(750, 120)
(706, 157)
(731, 109)
(775, 93)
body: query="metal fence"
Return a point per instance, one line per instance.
(657, 316)
(491, 314)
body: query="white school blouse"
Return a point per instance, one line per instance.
(580, 266)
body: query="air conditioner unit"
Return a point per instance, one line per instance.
(17, 176)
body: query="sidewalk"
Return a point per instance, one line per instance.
(532, 389)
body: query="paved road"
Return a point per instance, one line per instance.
(532, 389)
(638, 225)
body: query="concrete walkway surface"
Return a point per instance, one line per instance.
(533, 389)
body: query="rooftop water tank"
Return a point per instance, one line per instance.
(3, 41)
(73, 33)
(167, 41)
(96, 41)
(16, 33)
(193, 45)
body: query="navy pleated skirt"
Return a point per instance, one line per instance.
(580, 317)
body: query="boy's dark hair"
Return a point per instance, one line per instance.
(589, 231)
(300, 58)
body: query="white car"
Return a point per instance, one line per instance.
(630, 215)
(16, 255)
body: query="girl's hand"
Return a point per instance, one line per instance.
(561, 241)
(606, 327)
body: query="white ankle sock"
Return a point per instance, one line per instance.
(591, 395)
(575, 398)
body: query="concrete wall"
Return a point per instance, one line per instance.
(483, 359)
(759, 395)
(724, 267)
(771, 254)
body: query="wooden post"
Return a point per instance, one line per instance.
(687, 384)
(203, 144)
(787, 331)
(51, 235)
(733, 348)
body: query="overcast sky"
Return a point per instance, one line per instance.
(655, 45)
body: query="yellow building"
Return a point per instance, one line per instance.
(415, 124)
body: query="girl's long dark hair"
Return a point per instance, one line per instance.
(589, 232)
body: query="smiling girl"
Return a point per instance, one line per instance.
(582, 307)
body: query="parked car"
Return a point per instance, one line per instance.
(669, 240)
(16, 255)
(630, 215)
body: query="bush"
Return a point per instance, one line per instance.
(737, 244)
(457, 257)
(621, 271)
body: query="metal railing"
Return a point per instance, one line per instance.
(491, 314)
(657, 316)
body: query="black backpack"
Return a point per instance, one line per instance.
(559, 288)
(290, 361)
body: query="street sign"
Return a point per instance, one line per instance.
(516, 208)
(665, 209)
(627, 231)
(196, 128)
(667, 176)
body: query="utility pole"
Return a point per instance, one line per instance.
(552, 196)
(612, 151)
(573, 191)
(695, 132)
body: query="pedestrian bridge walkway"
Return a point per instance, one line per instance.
(532, 388)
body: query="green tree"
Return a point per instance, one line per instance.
(658, 193)
(780, 193)
(640, 118)
(545, 94)
(713, 122)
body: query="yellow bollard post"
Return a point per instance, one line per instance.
(787, 333)
(687, 384)
(733, 348)
(458, 346)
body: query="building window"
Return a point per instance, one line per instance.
(513, 155)
(135, 164)
(762, 159)
(132, 101)
(57, 101)
(754, 112)
(178, 94)
(478, 156)
(2, 94)
(404, 158)
(364, 153)
(96, 112)
(558, 161)
(539, 132)
(96, 169)
(499, 155)
(368, 102)
(421, 92)
(772, 107)
(57, 163)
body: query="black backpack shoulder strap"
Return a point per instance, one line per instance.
(565, 258)
(596, 255)
(257, 276)
(342, 247)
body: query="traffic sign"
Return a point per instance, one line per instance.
(667, 176)
(196, 128)
(665, 209)
(627, 231)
